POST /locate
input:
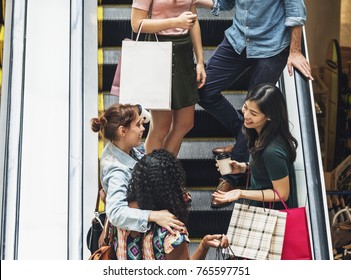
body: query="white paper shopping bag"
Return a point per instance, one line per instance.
(146, 74)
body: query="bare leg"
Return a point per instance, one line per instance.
(183, 122)
(159, 128)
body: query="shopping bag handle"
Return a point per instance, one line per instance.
(281, 200)
(139, 31)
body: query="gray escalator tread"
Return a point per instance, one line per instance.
(110, 100)
(201, 149)
(116, 12)
(235, 98)
(111, 54)
(201, 201)
(123, 12)
(211, 254)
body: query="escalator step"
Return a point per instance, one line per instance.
(110, 37)
(206, 220)
(200, 172)
(107, 72)
(201, 149)
(205, 125)
(211, 254)
(108, 59)
(115, 2)
(115, 26)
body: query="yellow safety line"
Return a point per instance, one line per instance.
(3, 9)
(100, 68)
(100, 56)
(101, 146)
(1, 43)
(101, 110)
(100, 13)
(100, 102)
(2, 33)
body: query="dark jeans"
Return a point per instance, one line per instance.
(225, 67)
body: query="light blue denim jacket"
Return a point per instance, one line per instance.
(262, 26)
(115, 174)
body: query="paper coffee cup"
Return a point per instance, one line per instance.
(224, 166)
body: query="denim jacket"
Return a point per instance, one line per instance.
(115, 174)
(261, 26)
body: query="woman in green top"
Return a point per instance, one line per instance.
(272, 149)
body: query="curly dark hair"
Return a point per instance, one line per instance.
(158, 182)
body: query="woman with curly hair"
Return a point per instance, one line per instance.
(272, 149)
(158, 182)
(123, 127)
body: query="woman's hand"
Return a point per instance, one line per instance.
(200, 75)
(186, 20)
(215, 240)
(167, 220)
(227, 197)
(237, 167)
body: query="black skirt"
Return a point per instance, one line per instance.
(184, 85)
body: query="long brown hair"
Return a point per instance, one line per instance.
(270, 100)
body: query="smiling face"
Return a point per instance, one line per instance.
(253, 117)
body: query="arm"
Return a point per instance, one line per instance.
(185, 21)
(115, 182)
(216, 5)
(181, 252)
(121, 215)
(275, 162)
(296, 59)
(281, 185)
(205, 4)
(214, 240)
(195, 34)
(163, 217)
(295, 19)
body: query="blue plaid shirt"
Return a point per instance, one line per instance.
(261, 26)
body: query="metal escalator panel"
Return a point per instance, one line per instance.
(308, 166)
(47, 150)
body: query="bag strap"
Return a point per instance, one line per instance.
(247, 182)
(150, 9)
(97, 199)
(248, 175)
(109, 232)
(139, 31)
(281, 200)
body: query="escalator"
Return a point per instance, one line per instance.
(207, 133)
(51, 114)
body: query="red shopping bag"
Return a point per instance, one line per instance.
(296, 245)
